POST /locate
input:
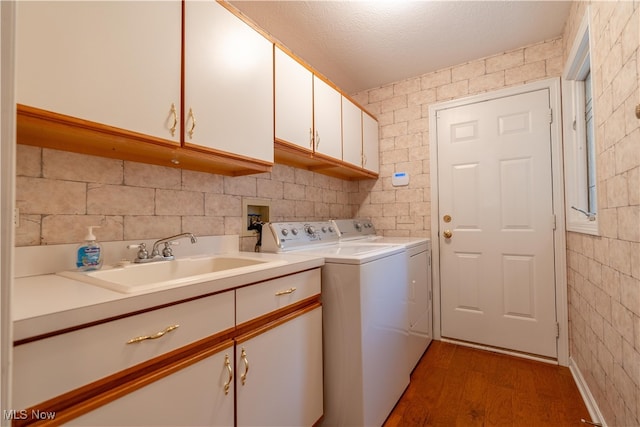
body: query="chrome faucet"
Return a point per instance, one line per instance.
(167, 253)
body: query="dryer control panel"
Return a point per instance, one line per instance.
(350, 229)
(283, 236)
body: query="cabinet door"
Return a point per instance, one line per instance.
(293, 100)
(283, 385)
(351, 133)
(192, 396)
(105, 62)
(370, 148)
(228, 83)
(327, 119)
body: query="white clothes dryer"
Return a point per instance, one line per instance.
(365, 320)
(420, 292)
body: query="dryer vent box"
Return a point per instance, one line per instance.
(254, 210)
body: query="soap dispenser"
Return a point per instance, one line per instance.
(89, 255)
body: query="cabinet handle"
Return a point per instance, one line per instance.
(227, 364)
(243, 355)
(154, 336)
(288, 291)
(174, 112)
(310, 138)
(193, 123)
(317, 139)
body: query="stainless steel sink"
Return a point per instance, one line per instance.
(141, 277)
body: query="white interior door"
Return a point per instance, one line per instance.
(495, 199)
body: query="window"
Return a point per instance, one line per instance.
(579, 144)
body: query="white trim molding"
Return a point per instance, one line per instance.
(579, 219)
(585, 392)
(7, 199)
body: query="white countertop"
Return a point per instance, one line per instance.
(45, 303)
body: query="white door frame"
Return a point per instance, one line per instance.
(7, 200)
(559, 235)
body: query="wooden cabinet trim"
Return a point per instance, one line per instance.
(77, 402)
(48, 129)
(134, 313)
(271, 319)
(248, 330)
(91, 396)
(95, 394)
(292, 155)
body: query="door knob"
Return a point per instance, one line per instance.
(447, 234)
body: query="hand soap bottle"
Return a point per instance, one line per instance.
(89, 255)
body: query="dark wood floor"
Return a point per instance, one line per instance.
(460, 386)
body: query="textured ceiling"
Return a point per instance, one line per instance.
(365, 44)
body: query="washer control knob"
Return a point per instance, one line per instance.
(324, 229)
(358, 226)
(285, 232)
(330, 229)
(310, 229)
(294, 231)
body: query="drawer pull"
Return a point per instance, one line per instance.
(154, 336)
(227, 364)
(243, 377)
(288, 291)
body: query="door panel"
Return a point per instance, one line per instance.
(497, 267)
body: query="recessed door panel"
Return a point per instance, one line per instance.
(515, 197)
(465, 195)
(518, 283)
(468, 286)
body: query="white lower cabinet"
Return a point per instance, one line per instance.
(282, 386)
(245, 357)
(193, 395)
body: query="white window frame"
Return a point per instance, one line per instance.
(578, 217)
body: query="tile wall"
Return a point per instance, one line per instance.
(58, 194)
(402, 109)
(604, 271)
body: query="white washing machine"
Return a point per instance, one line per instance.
(420, 295)
(365, 320)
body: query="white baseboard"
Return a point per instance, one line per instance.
(589, 400)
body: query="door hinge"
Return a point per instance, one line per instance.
(550, 115)
(557, 330)
(553, 219)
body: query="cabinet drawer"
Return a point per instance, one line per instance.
(49, 367)
(262, 298)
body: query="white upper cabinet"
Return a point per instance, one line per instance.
(228, 93)
(115, 63)
(351, 133)
(293, 101)
(327, 119)
(370, 144)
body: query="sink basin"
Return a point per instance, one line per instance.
(161, 274)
